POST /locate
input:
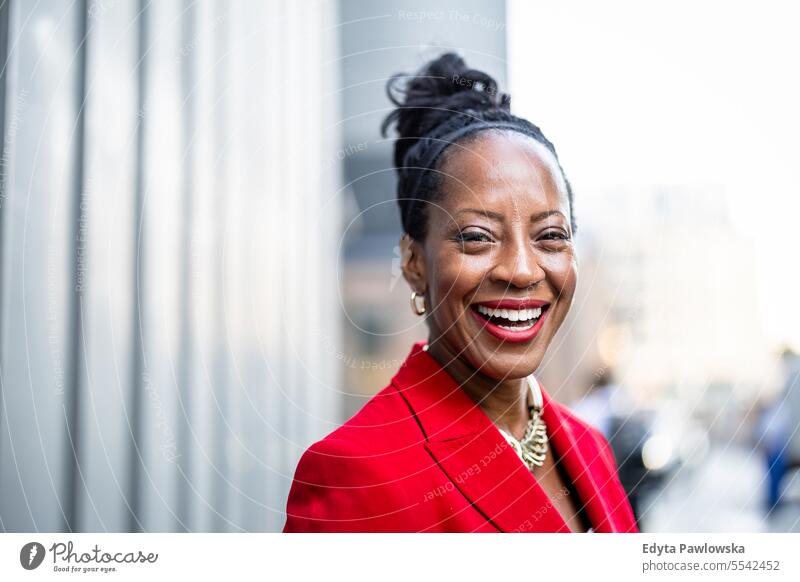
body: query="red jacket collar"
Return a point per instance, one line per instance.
(476, 457)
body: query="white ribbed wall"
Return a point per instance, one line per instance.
(206, 246)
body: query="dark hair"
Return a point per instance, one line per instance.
(445, 102)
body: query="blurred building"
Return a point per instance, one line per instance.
(680, 289)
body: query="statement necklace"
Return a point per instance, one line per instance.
(532, 449)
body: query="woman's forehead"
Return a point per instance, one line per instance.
(502, 170)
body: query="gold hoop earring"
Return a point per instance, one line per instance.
(414, 305)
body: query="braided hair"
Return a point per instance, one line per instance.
(444, 103)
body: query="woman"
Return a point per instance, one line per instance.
(464, 439)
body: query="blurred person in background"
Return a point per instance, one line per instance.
(604, 401)
(778, 430)
(608, 407)
(464, 439)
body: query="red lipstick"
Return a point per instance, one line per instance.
(504, 333)
(513, 304)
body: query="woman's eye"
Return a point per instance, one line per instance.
(555, 235)
(472, 236)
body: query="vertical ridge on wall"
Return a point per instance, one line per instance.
(273, 207)
(219, 113)
(162, 225)
(37, 275)
(73, 441)
(4, 64)
(185, 376)
(137, 333)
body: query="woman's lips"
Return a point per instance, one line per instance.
(513, 303)
(508, 333)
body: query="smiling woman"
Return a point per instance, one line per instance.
(464, 438)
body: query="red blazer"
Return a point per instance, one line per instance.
(421, 456)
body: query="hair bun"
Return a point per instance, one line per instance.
(442, 89)
(446, 102)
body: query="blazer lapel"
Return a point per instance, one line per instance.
(583, 461)
(472, 452)
(489, 474)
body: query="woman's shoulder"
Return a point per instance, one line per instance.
(383, 428)
(384, 422)
(348, 480)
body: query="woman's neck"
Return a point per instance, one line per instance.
(505, 402)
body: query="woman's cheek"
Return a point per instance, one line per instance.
(567, 279)
(450, 271)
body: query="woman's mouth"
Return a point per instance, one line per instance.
(511, 323)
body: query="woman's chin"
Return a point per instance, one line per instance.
(507, 367)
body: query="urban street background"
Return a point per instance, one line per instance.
(199, 246)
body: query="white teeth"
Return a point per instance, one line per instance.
(517, 327)
(512, 314)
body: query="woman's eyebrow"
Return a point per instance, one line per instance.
(499, 216)
(545, 214)
(482, 211)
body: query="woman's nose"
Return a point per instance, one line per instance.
(518, 265)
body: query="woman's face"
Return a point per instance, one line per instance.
(498, 260)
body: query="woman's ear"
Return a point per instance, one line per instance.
(412, 262)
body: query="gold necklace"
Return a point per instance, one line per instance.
(532, 449)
